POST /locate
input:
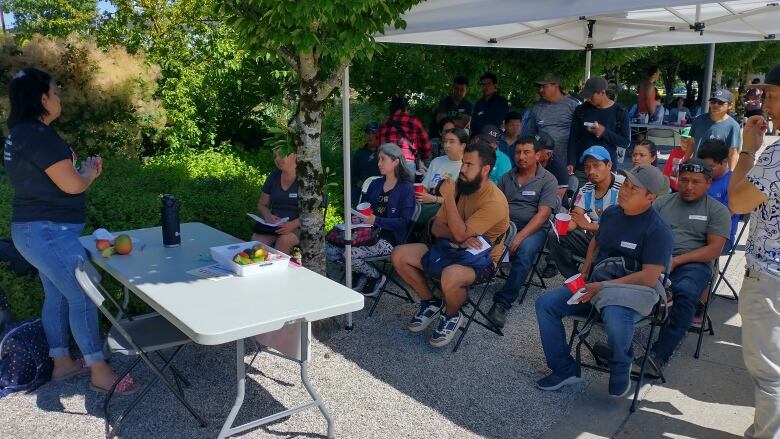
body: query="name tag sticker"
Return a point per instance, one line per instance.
(628, 245)
(529, 193)
(293, 195)
(698, 217)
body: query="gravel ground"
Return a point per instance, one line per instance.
(379, 381)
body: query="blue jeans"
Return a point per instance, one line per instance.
(522, 263)
(54, 249)
(619, 321)
(688, 281)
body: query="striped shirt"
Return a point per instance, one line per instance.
(593, 206)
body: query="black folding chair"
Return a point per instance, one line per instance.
(473, 317)
(138, 336)
(732, 251)
(384, 261)
(706, 321)
(654, 319)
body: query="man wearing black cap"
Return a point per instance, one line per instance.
(701, 226)
(717, 124)
(503, 165)
(635, 236)
(550, 163)
(598, 121)
(755, 189)
(552, 114)
(492, 108)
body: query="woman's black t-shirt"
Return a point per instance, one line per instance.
(284, 203)
(32, 147)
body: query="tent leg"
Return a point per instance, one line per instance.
(705, 94)
(347, 186)
(588, 53)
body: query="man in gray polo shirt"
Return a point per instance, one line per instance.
(701, 225)
(532, 194)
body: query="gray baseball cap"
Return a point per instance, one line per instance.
(723, 95)
(648, 177)
(593, 85)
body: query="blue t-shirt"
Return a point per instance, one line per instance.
(720, 191)
(726, 130)
(645, 238)
(31, 148)
(503, 165)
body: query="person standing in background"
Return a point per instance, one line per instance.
(647, 92)
(755, 188)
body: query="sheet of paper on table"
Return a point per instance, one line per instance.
(212, 272)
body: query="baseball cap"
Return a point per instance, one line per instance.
(648, 177)
(772, 79)
(545, 140)
(698, 166)
(722, 95)
(596, 151)
(372, 127)
(489, 133)
(686, 133)
(593, 85)
(549, 78)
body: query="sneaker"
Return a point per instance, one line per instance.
(445, 332)
(698, 317)
(360, 283)
(554, 382)
(620, 384)
(429, 309)
(497, 314)
(375, 285)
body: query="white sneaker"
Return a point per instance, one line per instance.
(426, 314)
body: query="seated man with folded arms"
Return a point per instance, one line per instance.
(472, 207)
(635, 233)
(532, 194)
(593, 198)
(701, 226)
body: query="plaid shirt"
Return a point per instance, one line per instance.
(412, 129)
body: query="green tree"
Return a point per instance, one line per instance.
(52, 18)
(318, 40)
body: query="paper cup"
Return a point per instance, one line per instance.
(419, 188)
(562, 223)
(365, 209)
(575, 283)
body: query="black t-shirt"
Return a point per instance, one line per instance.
(645, 238)
(284, 203)
(381, 210)
(31, 148)
(455, 111)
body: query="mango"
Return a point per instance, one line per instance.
(123, 245)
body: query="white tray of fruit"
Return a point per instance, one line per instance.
(249, 258)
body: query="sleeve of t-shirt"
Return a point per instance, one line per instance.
(549, 196)
(529, 126)
(428, 174)
(764, 173)
(468, 108)
(49, 149)
(733, 140)
(622, 138)
(579, 199)
(657, 245)
(576, 122)
(719, 221)
(268, 186)
(694, 130)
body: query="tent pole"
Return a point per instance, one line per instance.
(347, 186)
(588, 53)
(708, 67)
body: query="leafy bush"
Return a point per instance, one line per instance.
(216, 187)
(107, 95)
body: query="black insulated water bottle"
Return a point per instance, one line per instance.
(170, 221)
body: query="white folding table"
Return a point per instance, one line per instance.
(276, 306)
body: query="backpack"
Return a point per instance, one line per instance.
(24, 358)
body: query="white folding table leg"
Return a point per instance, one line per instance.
(305, 350)
(240, 390)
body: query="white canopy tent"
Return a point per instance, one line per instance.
(575, 25)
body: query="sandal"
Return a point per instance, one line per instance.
(125, 387)
(81, 370)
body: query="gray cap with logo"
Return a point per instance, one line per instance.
(648, 177)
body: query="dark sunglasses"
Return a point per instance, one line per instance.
(694, 167)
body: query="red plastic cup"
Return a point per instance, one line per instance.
(365, 209)
(562, 223)
(419, 188)
(575, 283)
(683, 123)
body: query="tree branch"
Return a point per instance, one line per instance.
(334, 80)
(288, 57)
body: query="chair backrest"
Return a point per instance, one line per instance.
(366, 184)
(662, 136)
